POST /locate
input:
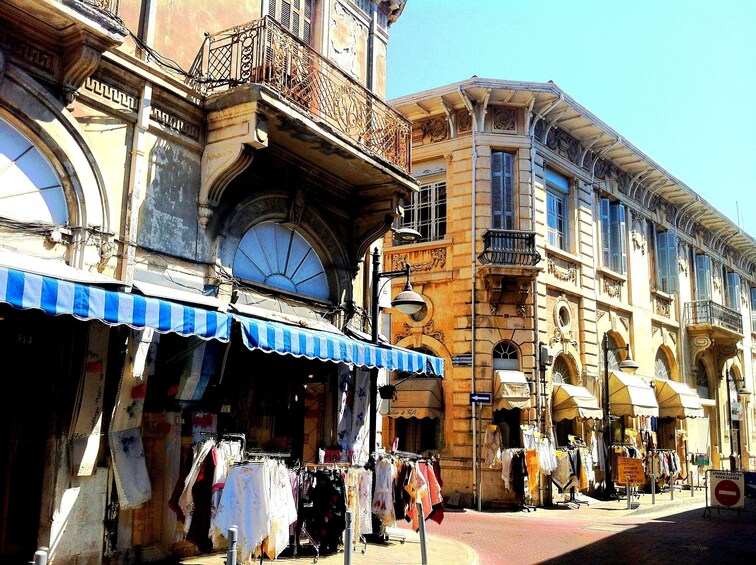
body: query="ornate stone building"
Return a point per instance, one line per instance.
(544, 233)
(187, 194)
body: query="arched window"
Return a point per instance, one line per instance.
(662, 370)
(30, 189)
(561, 371)
(506, 357)
(702, 380)
(279, 257)
(613, 354)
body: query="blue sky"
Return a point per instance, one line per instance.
(677, 78)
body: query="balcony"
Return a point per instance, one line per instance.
(507, 248)
(264, 53)
(709, 313)
(510, 262)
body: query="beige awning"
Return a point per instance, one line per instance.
(512, 390)
(677, 400)
(630, 395)
(421, 397)
(569, 402)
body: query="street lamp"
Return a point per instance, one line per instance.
(742, 392)
(627, 365)
(407, 302)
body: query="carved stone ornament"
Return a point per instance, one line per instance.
(625, 322)
(662, 306)
(435, 130)
(464, 121)
(297, 207)
(504, 119)
(437, 261)
(638, 239)
(612, 287)
(430, 330)
(406, 332)
(567, 272)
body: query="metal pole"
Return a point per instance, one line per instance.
(348, 539)
(733, 462)
(629, 494)
(607, 422)
(374, 339)
(671, 489)
(653, 489)
(690, 480)
(423, 543)
(233, 534)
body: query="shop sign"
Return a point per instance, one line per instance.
(727, 488)
(630, 467)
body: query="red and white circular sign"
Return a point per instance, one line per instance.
(727, 493)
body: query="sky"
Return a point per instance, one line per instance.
(676, 78)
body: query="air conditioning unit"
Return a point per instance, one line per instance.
(545, 355)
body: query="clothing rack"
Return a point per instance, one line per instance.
(670, 482)
(572, 503)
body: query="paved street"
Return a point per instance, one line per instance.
(671, 531)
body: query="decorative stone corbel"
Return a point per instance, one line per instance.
(81, 55)
(229, 152)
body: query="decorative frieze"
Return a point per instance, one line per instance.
(98, 88)
(175, 123)
(431, 131)
(612, 287)
(562, 270)
(464, 121)
(29, 53)
(429, 260)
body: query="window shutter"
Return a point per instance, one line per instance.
(703, 277)
(294, 15)
(666, 261)
(733, 291)
(605, 231)
(502, 190)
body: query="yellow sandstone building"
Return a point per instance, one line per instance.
(553, 253)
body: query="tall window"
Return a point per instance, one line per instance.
(733, 290)
(665, 251)
(662, 370)
(703, 277)
(702, 380)
(427, 211)
(613, 235)
(557, 209)
(502, 190)
(753, 309)
(294, 15)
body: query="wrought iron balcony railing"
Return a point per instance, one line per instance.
(509, 248)
(709, 312)
(263, 52)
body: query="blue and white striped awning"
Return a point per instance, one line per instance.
(86, 302)
(277, 337)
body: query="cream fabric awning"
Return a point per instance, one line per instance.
(630, 395)
(677, 400)
(512, 390)
(569, 402)
(420, 397)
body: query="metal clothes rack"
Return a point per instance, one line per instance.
(670, 483)
(573, 489)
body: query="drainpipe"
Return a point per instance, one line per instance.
(473, 236)
(370, 79)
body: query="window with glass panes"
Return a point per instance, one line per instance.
(732, 280)
(702, 380)
(613, 235)
(662, 370)
(753, 309)
(427, 211)
(557, 209)
(502, 190)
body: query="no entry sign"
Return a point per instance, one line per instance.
(727, 489)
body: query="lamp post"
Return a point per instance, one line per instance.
(408, 302)
(742, 392)
(627, 365)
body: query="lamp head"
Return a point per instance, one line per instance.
(406, 235)
(744, 391)
(408, 301)
(627, 364)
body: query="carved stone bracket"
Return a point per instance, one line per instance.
(81, 55)
(662, 306)
(230, 150)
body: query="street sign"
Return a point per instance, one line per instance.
(727, 488)
(464, 360)
(480, 397)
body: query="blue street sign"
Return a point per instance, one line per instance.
(480, 397)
